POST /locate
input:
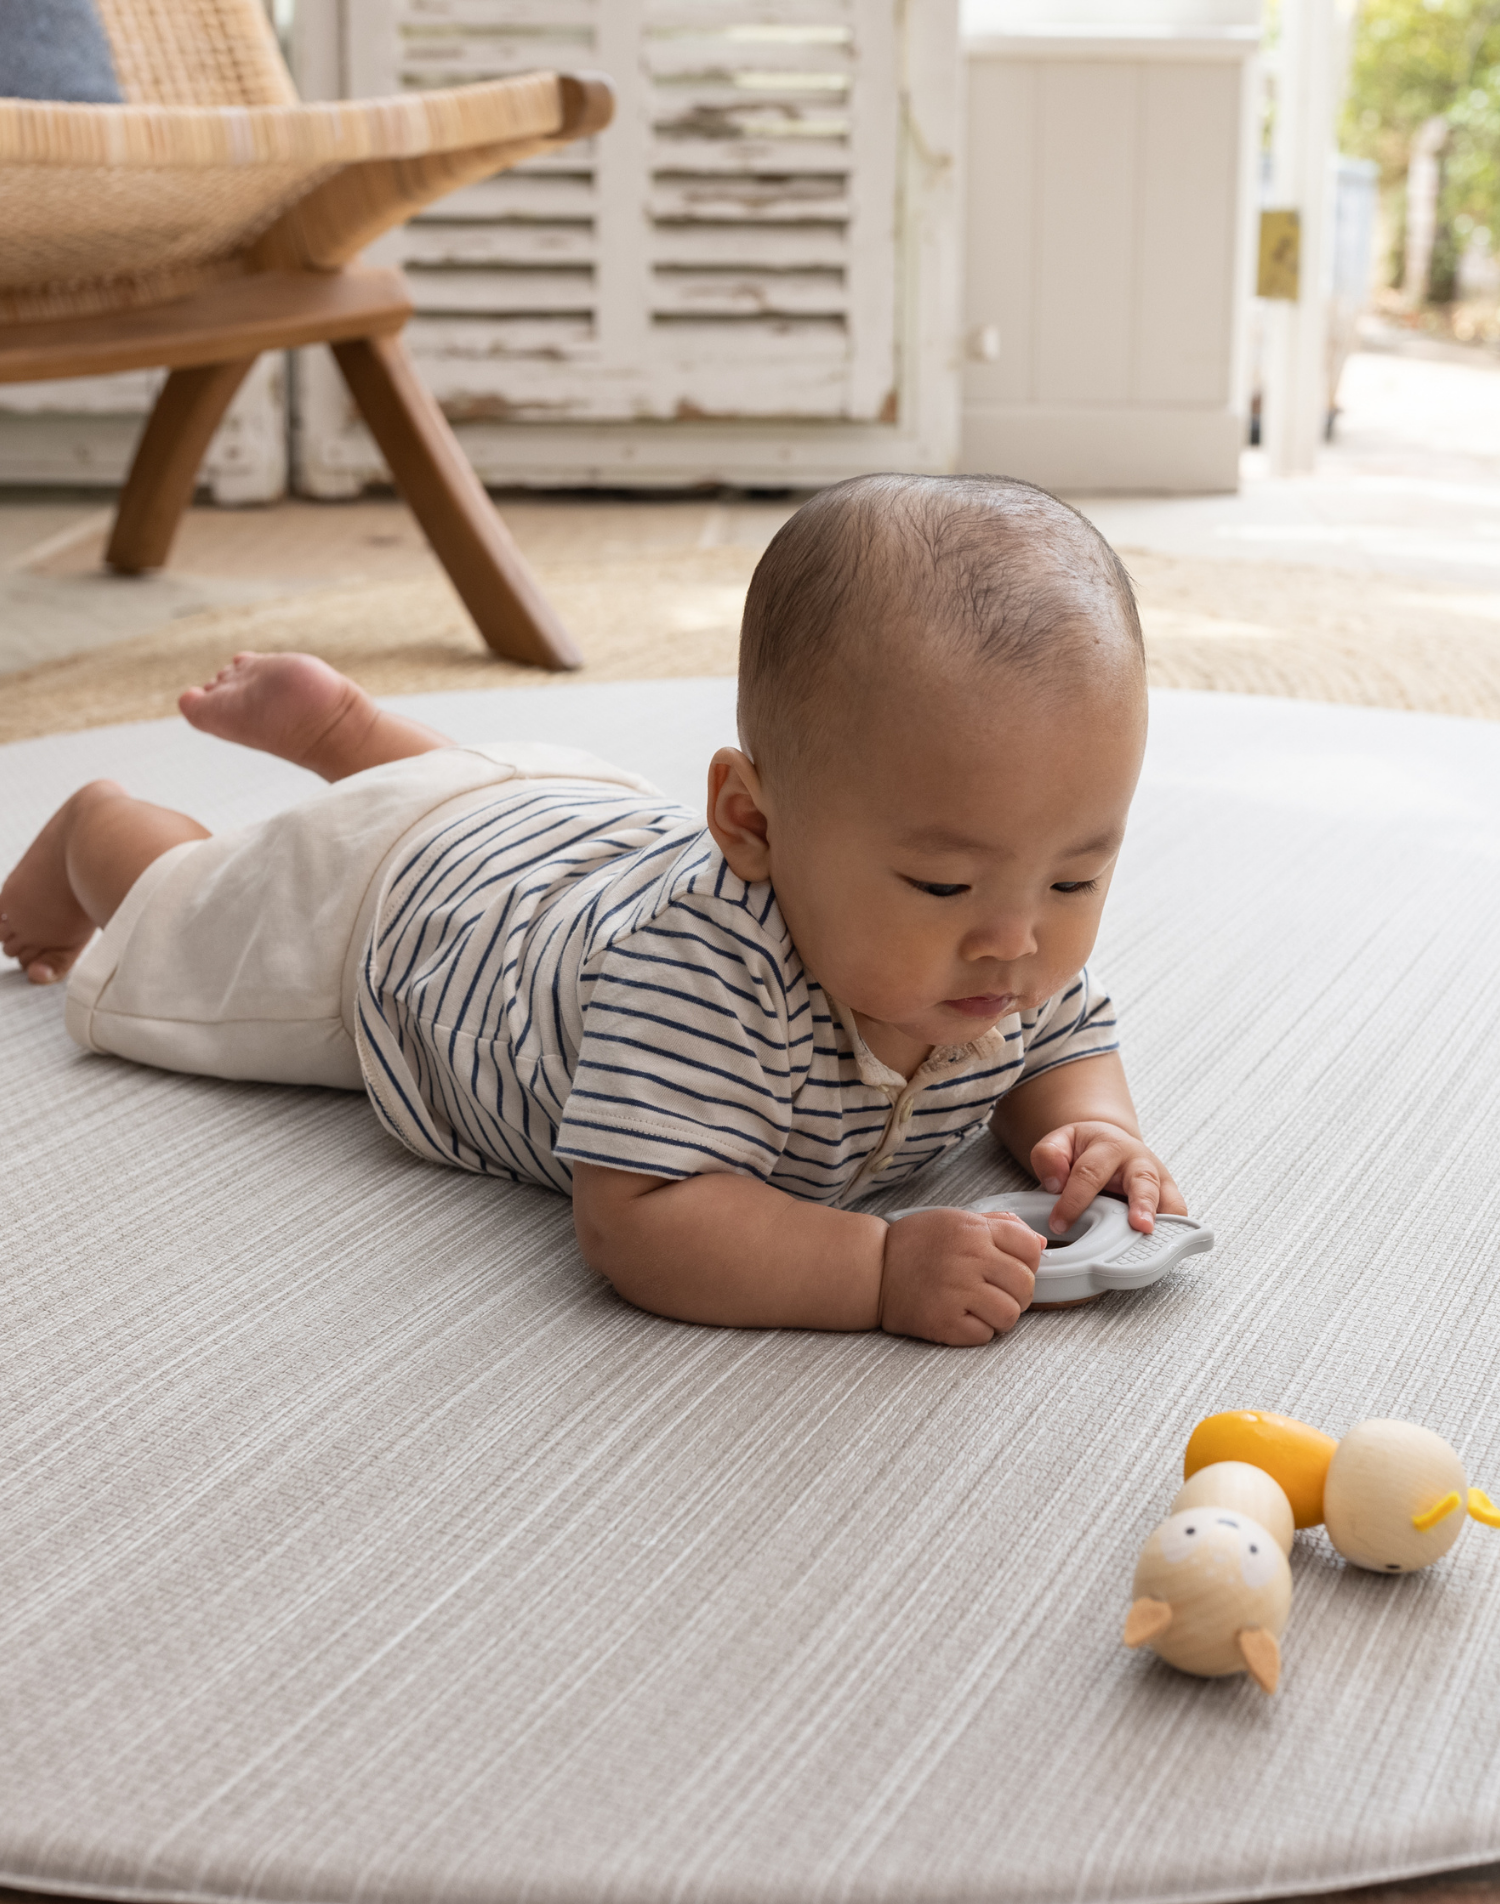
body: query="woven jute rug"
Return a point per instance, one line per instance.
(1246, 628)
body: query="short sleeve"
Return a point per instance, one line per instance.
(1077, 1022)
(692, 1051)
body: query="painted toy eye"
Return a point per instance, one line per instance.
(1180, 1536)
(1259, 1555)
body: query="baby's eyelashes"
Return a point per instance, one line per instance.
(937, 891)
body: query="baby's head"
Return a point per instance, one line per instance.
(942, 711)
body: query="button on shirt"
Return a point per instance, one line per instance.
(570, 972)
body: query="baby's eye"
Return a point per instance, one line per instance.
(937, 892)
(1075, 885)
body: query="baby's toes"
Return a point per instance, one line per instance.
(47, 967)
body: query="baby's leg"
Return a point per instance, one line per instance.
(77, 870)
(301, 710)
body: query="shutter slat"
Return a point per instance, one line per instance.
(469, 244)
(751, 158)
(502, 292)
(532, 196)
(748, 294)
(774, 247)
(492, 340)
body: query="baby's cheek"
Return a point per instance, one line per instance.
(906, 967)
(1068, 928)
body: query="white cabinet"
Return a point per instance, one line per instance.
(1109, 183)
(751, 275)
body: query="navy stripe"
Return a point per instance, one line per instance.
(642, 1140)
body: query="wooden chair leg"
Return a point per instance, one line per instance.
(160, 484)
(449, 501)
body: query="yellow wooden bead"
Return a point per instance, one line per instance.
(1295, 1456)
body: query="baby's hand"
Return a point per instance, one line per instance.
(956, 1276)
(1081, 1160)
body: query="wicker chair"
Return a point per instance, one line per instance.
(214, 216)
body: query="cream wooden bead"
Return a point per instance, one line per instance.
(1243, 1489)
(1212, 1594)
(1384, 1477)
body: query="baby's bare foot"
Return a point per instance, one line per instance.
(42, 926)
(290, 705)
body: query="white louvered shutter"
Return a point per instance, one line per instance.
(725, 250)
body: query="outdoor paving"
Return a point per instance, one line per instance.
(1410, 486)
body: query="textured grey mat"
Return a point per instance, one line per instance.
(355, 1543)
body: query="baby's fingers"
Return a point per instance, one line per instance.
(1089, 1175)
(1015, 1237)
(1052, 1159)
(1143, 1190)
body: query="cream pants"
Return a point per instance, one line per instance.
(238, 956)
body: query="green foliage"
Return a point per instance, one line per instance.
(1416, 60)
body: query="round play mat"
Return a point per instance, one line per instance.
(359, 1544)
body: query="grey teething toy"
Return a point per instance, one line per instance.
(1100, 1251)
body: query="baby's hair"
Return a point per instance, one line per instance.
(986, 569)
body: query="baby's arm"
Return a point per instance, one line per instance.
(730, 1250)
(1075, 1129)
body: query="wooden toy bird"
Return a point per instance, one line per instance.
(1393, 1496)
(1213, 1590)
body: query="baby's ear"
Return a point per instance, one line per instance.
(1145, 1620)
(736, 815)
(1262, 1656)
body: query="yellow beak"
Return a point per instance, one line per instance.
(1483, 1508)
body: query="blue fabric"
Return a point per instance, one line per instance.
(55, 49)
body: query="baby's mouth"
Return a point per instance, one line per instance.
(984, 1004)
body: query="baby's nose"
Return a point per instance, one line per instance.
(1006, 937)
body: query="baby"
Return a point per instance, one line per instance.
(716, 1038)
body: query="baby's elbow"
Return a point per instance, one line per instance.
(612, 1219)
(609, 1244)
(598, 1242)
(624, 1271)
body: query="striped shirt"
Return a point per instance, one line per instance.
(570, 972)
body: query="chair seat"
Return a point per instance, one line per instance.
(273, 310)
(104, 207)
